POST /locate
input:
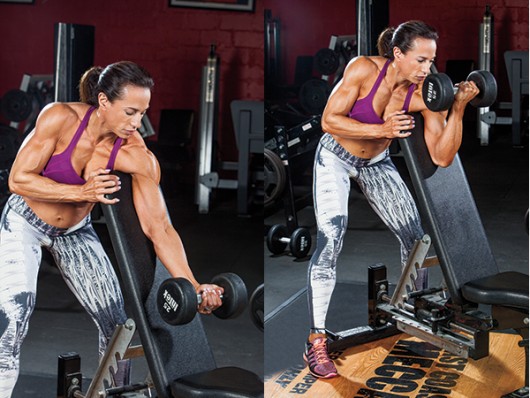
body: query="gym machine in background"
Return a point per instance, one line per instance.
(207, 132)
(247, 117)
(517, 68)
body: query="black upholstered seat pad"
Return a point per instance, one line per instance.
(227, 382)
(506, 288)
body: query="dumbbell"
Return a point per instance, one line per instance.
(299, 243)
(439, 92)
(177, 299)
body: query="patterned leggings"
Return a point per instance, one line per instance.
(387, 194)
(82, 262)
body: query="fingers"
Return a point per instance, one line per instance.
(211, 298)
(101, 183)
(401, 123)
(466, 91)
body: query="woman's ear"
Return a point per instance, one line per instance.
(103, 101)
(397, 53)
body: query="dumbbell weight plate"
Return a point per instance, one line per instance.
(487, 85)
(275, 177)
(235, 296)
(274, 235)
(16, 105)
(327, 61)
(177, 301)
(313, 96)
(300, 242)
(438, 92)
(256, 307)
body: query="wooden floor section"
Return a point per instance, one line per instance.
(404, 366)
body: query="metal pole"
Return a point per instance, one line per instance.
(363, 28)
(484, 63)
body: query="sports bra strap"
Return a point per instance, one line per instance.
(114, 153)
(380, 78)
(408, 98)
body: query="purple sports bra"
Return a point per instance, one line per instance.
(59, 168)
(363, 110)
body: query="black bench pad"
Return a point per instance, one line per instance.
(227, 382)
(508, 289)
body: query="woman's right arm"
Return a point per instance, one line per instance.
(25, 178)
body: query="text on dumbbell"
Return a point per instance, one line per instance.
(170, 304)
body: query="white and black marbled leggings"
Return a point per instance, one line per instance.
(387, 194)
(82, 262)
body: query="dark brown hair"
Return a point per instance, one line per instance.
(111, 80)
(403, 36)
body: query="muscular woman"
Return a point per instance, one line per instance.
(368, 109)
(61, 171)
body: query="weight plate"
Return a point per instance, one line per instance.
(16, 105)
(274, 177)
(9, 143)
(274, 244)
(438, 92)
(177, 301)
(235, 296)
(300, 242)
(487, 85)
(256, 307)
(327, 61)
(313, 96)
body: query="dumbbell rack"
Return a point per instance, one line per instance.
(279, 237)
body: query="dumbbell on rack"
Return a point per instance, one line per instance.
(439, 93)
(299, 243)
(177, 299)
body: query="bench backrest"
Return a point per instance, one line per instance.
(449, 214)
(171, 351)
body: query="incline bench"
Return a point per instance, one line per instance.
(179, 358)
(470, 271)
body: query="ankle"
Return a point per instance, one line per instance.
(313, 336)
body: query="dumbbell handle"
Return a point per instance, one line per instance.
(199, 298)
(285, 240)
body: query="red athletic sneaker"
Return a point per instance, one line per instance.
(317, 359)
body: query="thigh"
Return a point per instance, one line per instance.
(391, 199)
(331, 189)
(20, 255)
(88, 272)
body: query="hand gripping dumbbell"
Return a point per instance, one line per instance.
(177, 300)
(299, 243)
(439, 93)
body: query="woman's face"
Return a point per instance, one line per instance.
(416, 63)
(124, 115)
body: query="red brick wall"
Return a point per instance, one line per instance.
(171, 43)
(307, 27)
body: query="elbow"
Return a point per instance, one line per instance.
(14, 185)
(443, 162)
(325, 125)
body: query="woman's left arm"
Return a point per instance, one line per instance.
(443, 135)
(152, 213)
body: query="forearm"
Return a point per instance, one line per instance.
(44, 189)
(343, 126)
(170, 250)
(449, 140)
